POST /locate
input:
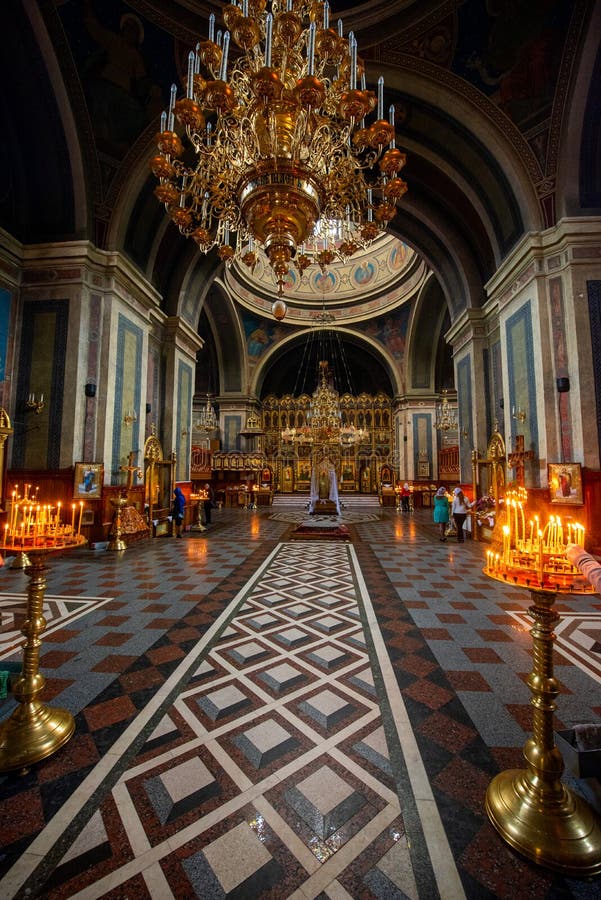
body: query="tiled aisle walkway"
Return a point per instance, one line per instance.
(258, 717)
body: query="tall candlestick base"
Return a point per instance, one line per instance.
(116, 542)
(33, 731)
(531, 809)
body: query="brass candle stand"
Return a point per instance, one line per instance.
(532, 809)
(34, 730)
(199, 498)
(116, 537)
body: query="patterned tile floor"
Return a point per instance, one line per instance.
(263, 717)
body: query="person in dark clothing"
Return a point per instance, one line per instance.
(405, 497)
(177, 510)
(208, 503)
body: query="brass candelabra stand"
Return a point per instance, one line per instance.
(198, 525)
(34, 730)
(116, 542)
(532, 809)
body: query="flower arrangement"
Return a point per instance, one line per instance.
(485, 510)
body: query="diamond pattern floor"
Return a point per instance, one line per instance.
(265, 718)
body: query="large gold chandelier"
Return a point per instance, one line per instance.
(278, 142)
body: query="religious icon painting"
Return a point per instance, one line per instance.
(87, 481)
(565, 483)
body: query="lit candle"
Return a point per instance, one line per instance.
(6, 535)
(540, 555)
(72, 517)
(506, 538)
(523, 518)
(80, 514)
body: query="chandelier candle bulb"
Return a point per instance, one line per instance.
(268, 39)
(353, 54)
(170, 116)
(190, 85)
(311, 50)
(225, 51)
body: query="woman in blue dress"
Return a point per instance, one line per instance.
(441, 511)
(177, 511)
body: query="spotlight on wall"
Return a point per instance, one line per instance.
(90, 389)
(563, 385)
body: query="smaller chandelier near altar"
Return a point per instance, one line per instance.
(324, 416)
(207, 422)
(445, 415)
(280, 141)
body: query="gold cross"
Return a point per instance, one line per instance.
(131, 471)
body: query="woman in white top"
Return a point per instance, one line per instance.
(459, 511)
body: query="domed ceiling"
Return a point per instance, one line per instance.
(370, 283)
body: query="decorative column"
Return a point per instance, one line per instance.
(180, 346)
(470, 340)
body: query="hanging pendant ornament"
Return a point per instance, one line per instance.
(279, 309)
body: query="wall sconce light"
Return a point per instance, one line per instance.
(35, 404)
(90, 389)
(185, 432)
(519, 414)
(464, 433)
(129, 418)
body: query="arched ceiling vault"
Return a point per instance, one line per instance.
(291, 367)
(478, 178)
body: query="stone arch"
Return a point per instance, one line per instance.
(375, 352)
(426, 333)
